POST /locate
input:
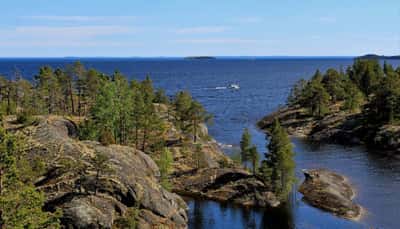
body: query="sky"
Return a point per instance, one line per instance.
(132, 28)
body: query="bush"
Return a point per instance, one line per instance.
(23, 117)
(106, 138)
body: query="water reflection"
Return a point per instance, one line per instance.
(210, 214)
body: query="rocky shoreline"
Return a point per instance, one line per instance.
(233, 185)
(322, 188)
(339, 127)
(134, 180)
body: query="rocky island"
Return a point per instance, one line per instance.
(331, 192)
(353, 107)
(359, 106)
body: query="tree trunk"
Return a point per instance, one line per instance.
(194, 131)
(72, 98)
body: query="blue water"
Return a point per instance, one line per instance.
(264, 86)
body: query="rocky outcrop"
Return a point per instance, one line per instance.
(338, 127)
(131, 182)
(387, 137)
(330, 192)
(225, 185)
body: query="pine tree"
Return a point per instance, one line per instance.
(353, 98)
(315, 97)
(161, 97)
(333, 83)
(21, 204)
(254, 158)
(151, 124)
(245, 144)
(104, 113)
(182, 103)
(196, 115)
(278, 167)
(165, 164)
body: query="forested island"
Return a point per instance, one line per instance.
(82, 149)
(379, 57)
(200, 58)
(357, 106)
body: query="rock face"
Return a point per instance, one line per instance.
(226, 185)
(330, 192)
(132, 182)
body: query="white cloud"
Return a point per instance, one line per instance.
(72, 31)
(79, 18)
(68, 36)
(65, 43)
(202, 30)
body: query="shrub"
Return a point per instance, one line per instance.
(106, 138)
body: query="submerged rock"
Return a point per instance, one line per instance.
(226, 185)
(133, 181)
(329, 191)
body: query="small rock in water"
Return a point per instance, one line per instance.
(331, 192)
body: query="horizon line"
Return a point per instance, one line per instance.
(229, 56)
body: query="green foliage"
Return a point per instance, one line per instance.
(165, 165)
(315, 97)
(129, 220)
(182, 103)
(296, 93)
(21, 204)
(106, 138)
(254, 158)
(354, 98)
(366, 74)
(385, 105)
(333, 83)
(189, 114)
(245, 144)
(278, 167)
(161, 97)
(23, 209)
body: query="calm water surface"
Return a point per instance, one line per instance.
(264, 86)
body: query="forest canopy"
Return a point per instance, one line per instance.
(366, 87)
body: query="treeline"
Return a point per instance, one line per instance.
(365, 86)
(110, 109)
(115, 109)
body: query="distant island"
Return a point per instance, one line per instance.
(379, 57)
(200, 58)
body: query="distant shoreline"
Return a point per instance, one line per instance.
(378, 57)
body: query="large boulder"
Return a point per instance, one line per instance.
(329, 191)
(226, 185)
(133, 180)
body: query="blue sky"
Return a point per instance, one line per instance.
(50, 28)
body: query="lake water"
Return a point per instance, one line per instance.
(264, 86)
